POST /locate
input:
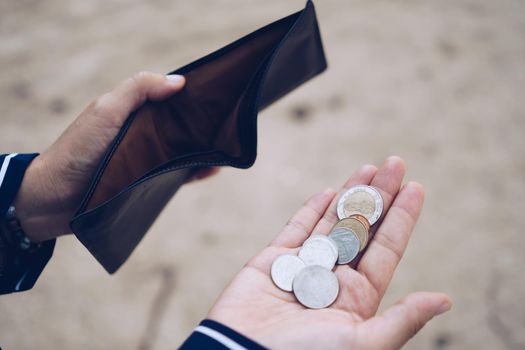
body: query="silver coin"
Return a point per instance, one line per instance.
(358, 227)
(284, 269)
(363, 200)
(315, 287)
(347, 242)
(319, 250)
(322, 237)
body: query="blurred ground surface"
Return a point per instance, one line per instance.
(439, 83)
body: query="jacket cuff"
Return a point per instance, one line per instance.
(19, 269)
(214, 335)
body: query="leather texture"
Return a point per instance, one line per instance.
(211, 122)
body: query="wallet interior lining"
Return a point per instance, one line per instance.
(202, 118)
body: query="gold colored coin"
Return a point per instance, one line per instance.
(361, 199)
(358, 227)
(360, 202)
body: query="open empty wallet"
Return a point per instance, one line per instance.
(211, 122)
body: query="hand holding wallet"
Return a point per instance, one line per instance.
(211, 122)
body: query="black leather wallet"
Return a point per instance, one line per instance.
(211, 122)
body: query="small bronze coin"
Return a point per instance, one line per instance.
(363, 220)
(358, 227)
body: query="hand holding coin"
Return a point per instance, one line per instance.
(255, 306)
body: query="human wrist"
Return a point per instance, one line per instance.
(39, 210)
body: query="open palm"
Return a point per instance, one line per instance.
(255, 307)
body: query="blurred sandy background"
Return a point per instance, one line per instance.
(439, 83)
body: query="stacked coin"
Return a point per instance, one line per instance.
(309, 275)
(358, 208)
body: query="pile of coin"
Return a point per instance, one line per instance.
(309, 275)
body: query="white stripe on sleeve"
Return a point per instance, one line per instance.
(5, 164)
(221, 338)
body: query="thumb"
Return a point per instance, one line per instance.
(143, 86)
(135, 91)
(403, 320)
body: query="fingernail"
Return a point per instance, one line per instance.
(444, 307)
(328, 190)
(394, 158)
(175, 79)
(415, 185)
(368, 168)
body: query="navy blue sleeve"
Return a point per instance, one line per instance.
(18, 270)
(216, 336)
